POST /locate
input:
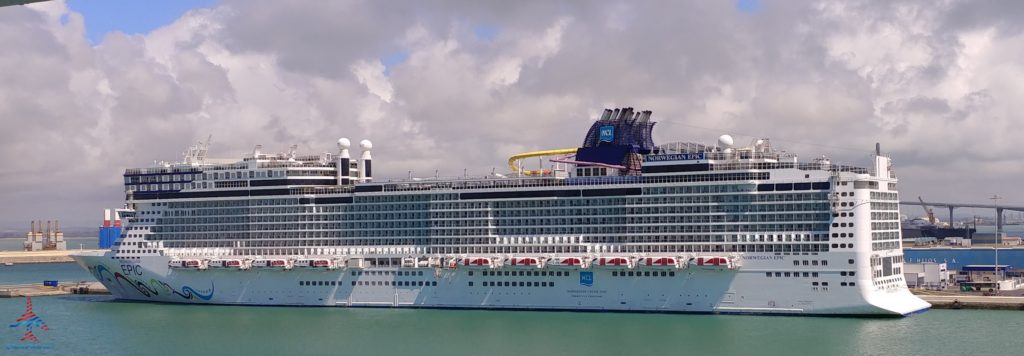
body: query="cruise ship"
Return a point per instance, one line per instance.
(617, 224)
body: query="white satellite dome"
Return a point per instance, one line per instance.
(366, 144)
(344, 142)
(725, 141)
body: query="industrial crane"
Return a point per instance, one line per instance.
(928, 210)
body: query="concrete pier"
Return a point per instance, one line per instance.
(45, 256)
(974, 302)
(39, 290)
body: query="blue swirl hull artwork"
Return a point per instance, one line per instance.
(153, 288)
(142, 281)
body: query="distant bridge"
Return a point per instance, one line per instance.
(998, 207)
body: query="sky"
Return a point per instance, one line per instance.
(90, 88)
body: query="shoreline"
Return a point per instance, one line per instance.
(48, 256)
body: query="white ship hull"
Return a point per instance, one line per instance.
(694, 289)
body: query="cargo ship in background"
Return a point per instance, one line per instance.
(929, 229)
(921, 228)
(110, 231)
(618, 224)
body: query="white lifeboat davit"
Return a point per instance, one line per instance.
(187, 264)
(525, 262)
(613, 262)
(661, 262)
(477, 262)
(229, 263)
(319, 263)
(713, 261)
(272, 263)
(567, 262)
(409, 262)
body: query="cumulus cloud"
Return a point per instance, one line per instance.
(935, 82)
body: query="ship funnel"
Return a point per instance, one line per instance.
(344, 162)
(607, 114)
(365, 171)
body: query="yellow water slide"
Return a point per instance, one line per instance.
(513, 161)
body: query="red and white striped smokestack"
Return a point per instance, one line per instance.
(106, 217)
(117, 219)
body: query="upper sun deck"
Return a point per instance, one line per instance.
(618, 150)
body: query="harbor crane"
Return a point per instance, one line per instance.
(928, 210)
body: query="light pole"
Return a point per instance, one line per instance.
(999, 213)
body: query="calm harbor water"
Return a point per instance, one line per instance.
(93, 325)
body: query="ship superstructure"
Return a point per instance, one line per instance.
(617, 224)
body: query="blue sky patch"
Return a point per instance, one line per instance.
(748, 6)
(393, 59)
(485, 32)
(130, 16)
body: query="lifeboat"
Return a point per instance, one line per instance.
(713, 261)
(613, 262)
(322, 263)
(272, 263)
(660, 262)
(525, 262)
(229, 263)
(567, 262)
(187, 264)
(409, 262)
(477, 262)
